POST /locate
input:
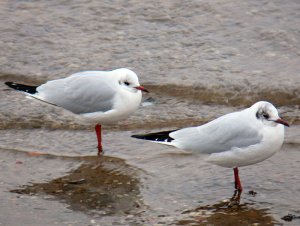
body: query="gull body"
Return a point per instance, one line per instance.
(95, 97)
(234, 140)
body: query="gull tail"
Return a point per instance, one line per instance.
(161, 137)
(21, 87)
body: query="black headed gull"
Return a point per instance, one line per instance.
(237, 139)
(98, 97)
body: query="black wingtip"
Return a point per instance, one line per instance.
(140, 136)
(10, 84)
(21, 87)
(160, 136)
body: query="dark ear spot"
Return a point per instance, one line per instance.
(257, 114)
(262, 115)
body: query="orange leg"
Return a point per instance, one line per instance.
(238, 188)
(99, 138)
(237, 181)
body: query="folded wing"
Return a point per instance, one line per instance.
(84, 92)
(218, 135)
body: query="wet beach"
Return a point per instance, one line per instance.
(199, 60)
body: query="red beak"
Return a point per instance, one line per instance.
(142, 88)
(282, 122)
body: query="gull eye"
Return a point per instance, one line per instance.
(127, 83)
(265, 115)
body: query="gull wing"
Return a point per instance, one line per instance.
(233, 130)
(84, 92)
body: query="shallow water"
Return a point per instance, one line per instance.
(199, 59)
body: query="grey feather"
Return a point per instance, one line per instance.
(80, 93)
(223, 134)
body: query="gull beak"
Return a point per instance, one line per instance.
(280, 121)
(142, 88)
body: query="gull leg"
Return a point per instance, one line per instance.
(237, 181)
(238, 188)
(99, 138)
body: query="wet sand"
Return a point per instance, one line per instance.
(199, 59)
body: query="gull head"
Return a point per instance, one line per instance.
(267, 113)
(128, 80)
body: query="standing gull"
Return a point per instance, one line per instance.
(237, 139)
(97, 97)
